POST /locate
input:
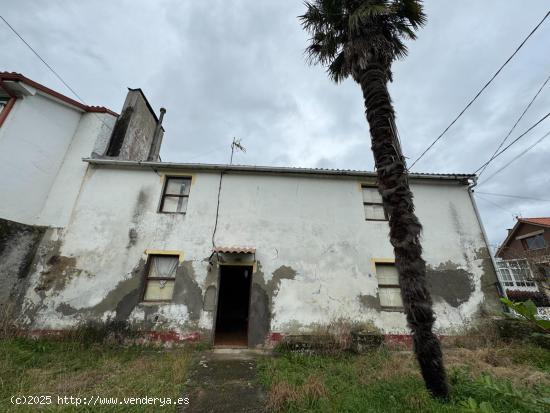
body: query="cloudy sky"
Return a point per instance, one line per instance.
(225, 69)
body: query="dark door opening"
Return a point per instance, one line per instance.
(233, 304)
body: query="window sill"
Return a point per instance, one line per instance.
(393, 309)
(157, 302)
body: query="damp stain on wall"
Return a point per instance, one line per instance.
(450, 282)
(187, 291)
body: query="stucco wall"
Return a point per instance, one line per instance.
(314, 252)
(33, 142)
(92, 129)
(42, 144)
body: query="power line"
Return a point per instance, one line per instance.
(515, 124)
(517, 157)
(495, 204)
(43, 61)
(480, 92)
(52, 70)
(512, 196)
(511, 143)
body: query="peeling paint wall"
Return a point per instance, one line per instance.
(314, 258)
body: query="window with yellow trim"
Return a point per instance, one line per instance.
(372, 203)
(160, 278)
(389, 289)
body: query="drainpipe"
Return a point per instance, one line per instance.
(501, 290)
(5, 112)
(155, 145)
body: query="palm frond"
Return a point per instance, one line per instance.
(346, 32)
(338, 69)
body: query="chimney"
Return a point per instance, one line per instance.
(157, 139)
(137, 133)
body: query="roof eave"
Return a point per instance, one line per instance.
(17, 77)
(263, 169)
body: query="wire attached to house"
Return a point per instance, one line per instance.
(480, 91)
(236, 144)
(217, 211)
(515, 124)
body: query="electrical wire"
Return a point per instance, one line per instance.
(516, 157)
(52, 70)
(480, 91)
(513, 142)
(512, 196)
(515, 124)
(495, 204)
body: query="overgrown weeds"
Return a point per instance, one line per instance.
(387, 381)
(7, 317)
(335, 338)
(70, 368)
(110, 332)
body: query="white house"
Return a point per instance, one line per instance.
(237, 255)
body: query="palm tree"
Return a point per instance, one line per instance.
(361, 39)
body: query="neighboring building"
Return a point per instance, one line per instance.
(229, 254)
(43, 135)
(523, 261)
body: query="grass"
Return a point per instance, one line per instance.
(380, 381)
(49, 367)
(384, 381)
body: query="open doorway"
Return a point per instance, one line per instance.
(233, 304)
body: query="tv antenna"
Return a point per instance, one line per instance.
(238, 145)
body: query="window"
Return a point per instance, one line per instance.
(175, 195)
(388, 286)
(515, 273)
(372, 203)
(3, 102)
(161, 277)
(534, 243)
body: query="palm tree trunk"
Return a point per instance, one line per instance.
(404, 225)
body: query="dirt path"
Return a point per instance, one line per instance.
(224, 382)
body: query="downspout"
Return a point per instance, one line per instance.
(5, 112)
(501, 291)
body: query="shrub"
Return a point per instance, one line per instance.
(538, 298)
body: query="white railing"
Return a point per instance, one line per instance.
(543, 313)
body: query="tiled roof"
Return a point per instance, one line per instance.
(18, 77)
(537, 221)
(235, 250)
